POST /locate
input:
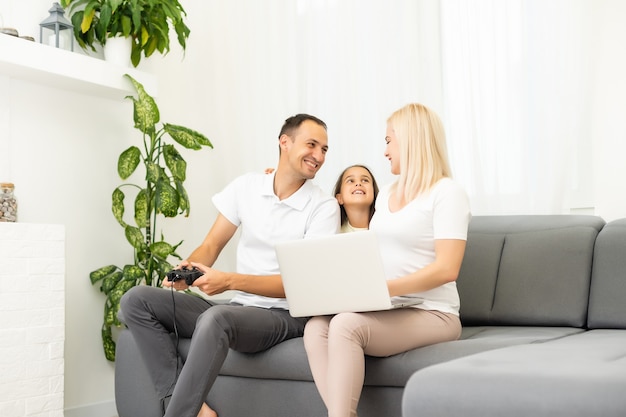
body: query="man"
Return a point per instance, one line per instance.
(268, 208)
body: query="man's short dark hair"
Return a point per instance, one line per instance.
(294, 122)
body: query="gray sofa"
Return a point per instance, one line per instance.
(536, 292)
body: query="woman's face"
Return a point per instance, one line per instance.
(357, 187)
(392, 150)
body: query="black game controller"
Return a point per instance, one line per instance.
(188, 275)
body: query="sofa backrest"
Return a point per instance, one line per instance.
(607, 298)
(528, 270)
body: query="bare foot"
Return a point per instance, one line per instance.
(206, 411)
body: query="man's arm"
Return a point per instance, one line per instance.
(220, 234)
(205, 255)
(216, 282)
(325, 222)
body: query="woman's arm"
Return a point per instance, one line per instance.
(448, 258)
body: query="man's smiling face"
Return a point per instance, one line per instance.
(306, 149)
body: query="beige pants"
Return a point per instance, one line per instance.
(336, 347)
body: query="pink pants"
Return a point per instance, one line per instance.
(336, 347)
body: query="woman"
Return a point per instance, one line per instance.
(356, 191)
(421, 223)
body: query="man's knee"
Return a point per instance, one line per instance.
(131, 297)
(218, 317)
(134, 300)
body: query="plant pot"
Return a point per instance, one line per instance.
(117, 51)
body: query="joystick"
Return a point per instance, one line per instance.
(188, 275)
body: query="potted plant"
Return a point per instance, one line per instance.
(161, 195)
(146, 23)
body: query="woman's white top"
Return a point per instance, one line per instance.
(407, 236)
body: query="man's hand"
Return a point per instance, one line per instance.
(178, 285)
(213, 281)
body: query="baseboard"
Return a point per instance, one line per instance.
(105, 409)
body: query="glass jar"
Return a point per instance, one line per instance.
(8, 203)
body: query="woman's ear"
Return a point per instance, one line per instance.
(339, 199)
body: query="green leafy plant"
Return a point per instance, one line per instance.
(146, 22)
(162, 195)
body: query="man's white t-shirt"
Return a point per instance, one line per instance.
(249, 202)
(407, 236)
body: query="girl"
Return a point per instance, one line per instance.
(356, 191)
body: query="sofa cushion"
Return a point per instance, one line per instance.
(288, 361)
(528, 270)
(576, 376)
(478, 276)
(607, 304)
(397, 369)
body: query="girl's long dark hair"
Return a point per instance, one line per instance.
(339, 183)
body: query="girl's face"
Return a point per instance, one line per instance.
(357, 187)
(392, 150)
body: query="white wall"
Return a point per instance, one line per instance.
(609, 109)
(63, 146)
(62, 152)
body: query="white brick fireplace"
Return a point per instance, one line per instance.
(32, 319)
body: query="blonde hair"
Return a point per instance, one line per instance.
(423, 152)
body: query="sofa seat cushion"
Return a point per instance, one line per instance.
(288, 361)
(578, 375)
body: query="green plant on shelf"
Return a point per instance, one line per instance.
(146, 22)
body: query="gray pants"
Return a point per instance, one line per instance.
(153, 314)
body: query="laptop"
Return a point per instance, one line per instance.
(335, 274)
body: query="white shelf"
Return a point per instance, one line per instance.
(43, 64)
